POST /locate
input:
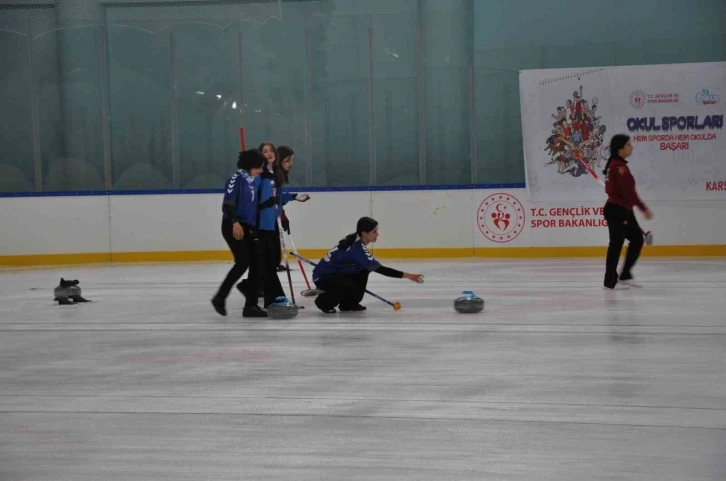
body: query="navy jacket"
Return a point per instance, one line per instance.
(240, 199)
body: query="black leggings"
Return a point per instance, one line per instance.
(244, 258)
(269, 260)
(344, 290)
(622, 225)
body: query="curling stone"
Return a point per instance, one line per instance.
(468, 303)
(281, 308)
(68, 292)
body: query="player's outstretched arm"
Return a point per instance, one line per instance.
(389, 272)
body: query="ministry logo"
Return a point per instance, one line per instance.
(638, 99)
(500, 218)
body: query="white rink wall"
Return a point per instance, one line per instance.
(413, 223)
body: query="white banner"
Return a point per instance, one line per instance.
(674, 115)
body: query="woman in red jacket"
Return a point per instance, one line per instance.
(622, 197)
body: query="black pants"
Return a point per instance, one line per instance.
(244, 258)
(344, 290)
(269, 260)
(622, 225)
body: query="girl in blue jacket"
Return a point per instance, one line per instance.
(285, 158)
(239, 219)
(270, 203)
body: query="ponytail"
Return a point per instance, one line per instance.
(365, 224)
(607, 166)
(347, 241)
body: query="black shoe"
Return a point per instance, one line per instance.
(327, 310)
(219, 306)
(253, 311)
(281, 268)
(356, 308)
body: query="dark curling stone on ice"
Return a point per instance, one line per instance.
(68, 292)
(468, 303)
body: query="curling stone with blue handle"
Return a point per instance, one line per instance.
(282, 308)
(468, 303)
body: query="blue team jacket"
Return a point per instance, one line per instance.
(241, 194)
(267, 188)
(352, 260)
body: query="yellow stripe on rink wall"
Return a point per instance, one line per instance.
(544, 252)
(315, 254)
(55, 259)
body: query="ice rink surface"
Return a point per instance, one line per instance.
(556, 380)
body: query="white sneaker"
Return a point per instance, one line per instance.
(631, 283)
(648, 238)
(618, 287)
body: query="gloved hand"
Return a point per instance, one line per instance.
(285, 225)
(302, 197)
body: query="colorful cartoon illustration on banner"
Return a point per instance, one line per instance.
(577, 137)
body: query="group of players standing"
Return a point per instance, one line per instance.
(252, 222)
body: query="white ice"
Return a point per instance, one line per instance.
(557, 379)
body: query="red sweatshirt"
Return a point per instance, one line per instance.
(620, 186)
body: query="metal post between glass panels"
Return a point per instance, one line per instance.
(105, 107)
(174, 113)
(37, 158)
(371, 119)
(421, 87)
(240, 78)
(308, 112)
(472, 125)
